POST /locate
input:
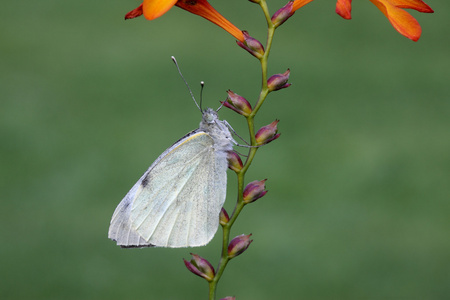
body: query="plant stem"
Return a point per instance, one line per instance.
(224, 259)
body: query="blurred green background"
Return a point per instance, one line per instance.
(359, 182)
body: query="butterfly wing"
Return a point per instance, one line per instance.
(177, 202)
(120, 229)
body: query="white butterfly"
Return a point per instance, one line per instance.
(177, 202)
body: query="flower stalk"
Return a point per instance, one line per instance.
(263, 59)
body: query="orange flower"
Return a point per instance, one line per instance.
(152, 9)
(402, 21)
(299, 3)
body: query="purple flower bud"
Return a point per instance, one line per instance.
(223, 217)
(267, 133)
(229, 298)
(278, 81)
(200, 267)
(238, 103)
(234, 161)
(238, 245)
(253, 46)
(283, 14)
(254, 190)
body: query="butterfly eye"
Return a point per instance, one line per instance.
(209, 116)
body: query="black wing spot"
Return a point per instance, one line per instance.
(144, 181)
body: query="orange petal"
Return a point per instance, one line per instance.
(344, 9)
(418, 5)
(156, 8)
(402, 21)
(203, 9)
(299, 3)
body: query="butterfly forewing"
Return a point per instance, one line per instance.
(120, 229)
(177, 202)
(172, 212)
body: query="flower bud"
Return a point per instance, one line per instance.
(238, 103)
(238, 245)
(283, 14)
(267, 133)
(253, 46)
(200, 267)
(223, 217)
(134, 13)
(278, 81)
(234, 161)
(254, 190)
(229, 298)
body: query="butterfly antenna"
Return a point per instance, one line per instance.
(185, 82)
(202, 84)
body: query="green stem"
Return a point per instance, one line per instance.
(264, 59)
(224, 259)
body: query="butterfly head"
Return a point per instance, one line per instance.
(210, 116)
